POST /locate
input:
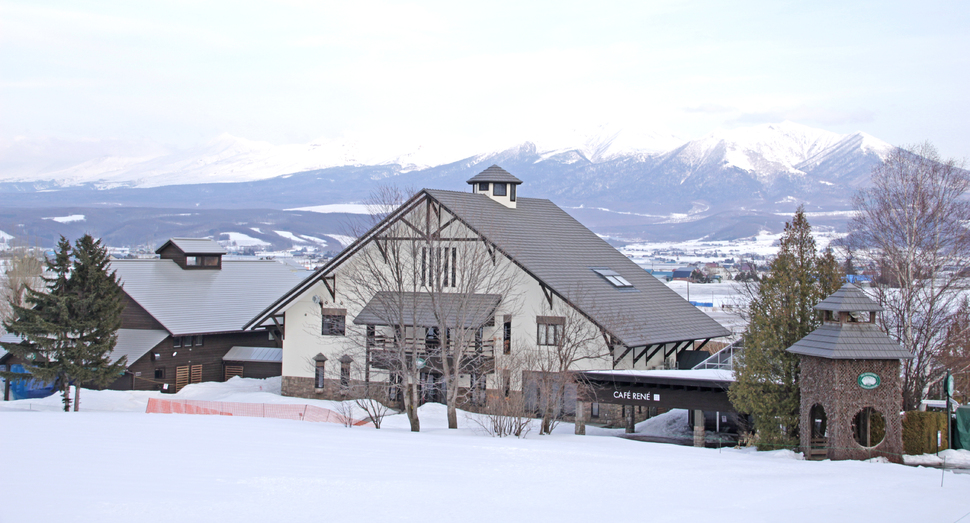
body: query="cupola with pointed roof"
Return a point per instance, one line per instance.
(496, 183)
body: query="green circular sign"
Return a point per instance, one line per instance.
(869, 380)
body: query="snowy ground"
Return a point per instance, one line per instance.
(112, 462)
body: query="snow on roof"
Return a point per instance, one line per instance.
(135, 343)
(254, 354)
(198, 302)
(681, 374)
(194, 246)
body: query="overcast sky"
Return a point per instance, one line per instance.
(181, 73)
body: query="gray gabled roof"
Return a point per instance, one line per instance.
(198, 302)
(494, 174)
(850, 341)
(561, 253)
(385, 308)
(254, 354)
(849, 298)
(194, 246)
(135, 343)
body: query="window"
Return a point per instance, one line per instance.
(198, 341)
(507, 335)
(318, 375)
(498, 189)
(192, 261)
(160, 373)
(512, 192)
(345, 372)
(614, 278)
(549, 330)
(594, 410)
(482, 186)
(176, 341)
(334, 325)
(210, 261)
(441, 262)
(186, 341)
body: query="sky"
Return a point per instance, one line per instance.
(114, 77)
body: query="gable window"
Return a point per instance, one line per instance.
(334, 322)
(482, 186)
(498, 189)
(613, 277)
(441, 263)
(507, 335)
(549, 330)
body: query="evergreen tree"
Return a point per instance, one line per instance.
(95, 303)
(70, 330)
(781, 313)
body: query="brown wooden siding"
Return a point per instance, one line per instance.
(209, 355)
(135, 316)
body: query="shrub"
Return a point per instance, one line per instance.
(919, 432)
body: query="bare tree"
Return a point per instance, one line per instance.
(23, 271)
(565, 339)
(506, 413)
(430, 286)
(911, 223)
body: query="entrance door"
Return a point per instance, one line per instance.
(181, 377)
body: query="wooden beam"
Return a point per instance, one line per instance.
(627, 351)
(547, 292)
(656, 349)
(330, 282)
(636, 357)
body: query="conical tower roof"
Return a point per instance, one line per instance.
(495, 174)
(848, 299)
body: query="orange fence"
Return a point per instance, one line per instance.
(252, 410)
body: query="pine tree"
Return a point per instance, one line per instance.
(95, 305)
(70, 330)
(781, 313)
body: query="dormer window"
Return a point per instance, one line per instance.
(498, 189)
(614, 278)
(193, 253)
(483, 187)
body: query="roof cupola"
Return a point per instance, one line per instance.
(192, 253)
(496, 183)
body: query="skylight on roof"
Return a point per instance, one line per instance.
(614, 278)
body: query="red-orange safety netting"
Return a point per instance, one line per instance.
(253, 410)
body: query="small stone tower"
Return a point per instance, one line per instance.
(496, 183)
(851, 393)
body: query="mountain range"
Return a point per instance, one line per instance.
(726, 185)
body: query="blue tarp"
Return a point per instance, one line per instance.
(29, 388)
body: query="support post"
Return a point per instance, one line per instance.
(698, 428)
(580, 417)
(631, 425)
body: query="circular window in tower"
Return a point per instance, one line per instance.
(869, 427)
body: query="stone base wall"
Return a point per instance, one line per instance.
(833, 384)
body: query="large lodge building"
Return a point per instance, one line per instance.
(409, 280)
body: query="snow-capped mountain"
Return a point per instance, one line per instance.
(622, 183)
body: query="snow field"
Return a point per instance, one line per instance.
(131, 466)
